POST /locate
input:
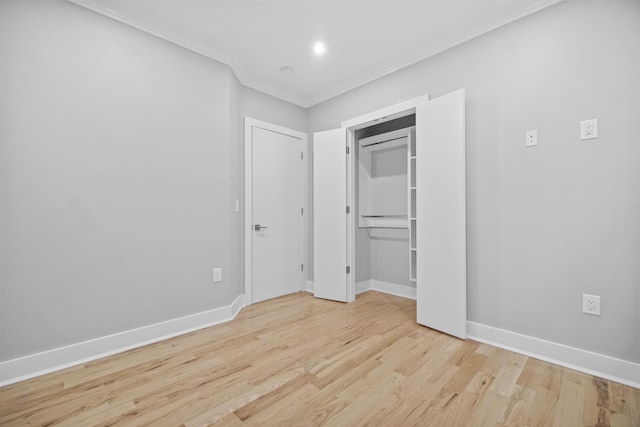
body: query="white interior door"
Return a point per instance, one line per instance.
(329, 215)
(277, 187)
(441, 214)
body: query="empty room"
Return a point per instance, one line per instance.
(315, 212)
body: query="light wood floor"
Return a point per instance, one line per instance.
(297, 360)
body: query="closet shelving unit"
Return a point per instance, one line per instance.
(382, 195)
(382, 180)
(412, 223)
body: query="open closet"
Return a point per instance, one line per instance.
(389, 208)
(385, 207)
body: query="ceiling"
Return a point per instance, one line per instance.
(365, 39)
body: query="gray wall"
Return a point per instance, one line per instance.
(118, 170)
(545, 224)
(261, 106)
(122, 157)
(236, 182)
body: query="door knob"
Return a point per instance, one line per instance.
(259, 227)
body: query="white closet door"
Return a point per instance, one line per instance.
(441, 214)
(329, 215)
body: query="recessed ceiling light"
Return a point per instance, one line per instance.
(319, 48)
(286, 69)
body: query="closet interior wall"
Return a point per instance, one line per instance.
(382, 254)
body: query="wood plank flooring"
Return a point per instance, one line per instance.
(297, 360)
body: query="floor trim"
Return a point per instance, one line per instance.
(599, 365)
(393, 289)
(386, 287)
(363, 286)
(23, 368)
(33, 365)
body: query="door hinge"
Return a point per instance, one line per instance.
(347, 149)
(301, 211)
(301, 155)
(348, 269)
(348, 209)
(301, 267)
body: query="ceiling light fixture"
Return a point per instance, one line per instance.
(319, 48)
(286, 69)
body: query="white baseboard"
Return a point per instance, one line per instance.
(56, 359)
(363, 286)
(380, 286)
(599, 365)
(393, 289)
(23, 368)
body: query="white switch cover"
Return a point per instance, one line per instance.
(531, 138)
(589, 129)
(217, 275)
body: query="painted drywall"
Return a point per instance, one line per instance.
(388, 256)
(236, 182)
(116, 168)
(544, 224)
(267, 108)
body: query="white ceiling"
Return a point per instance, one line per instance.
(365, 39)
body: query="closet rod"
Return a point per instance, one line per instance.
(384, 216)
(380, 142)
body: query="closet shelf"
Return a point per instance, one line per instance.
(385, 221)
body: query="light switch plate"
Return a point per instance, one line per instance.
(217, 275)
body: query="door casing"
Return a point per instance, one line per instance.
(392, 112)
(249, 124)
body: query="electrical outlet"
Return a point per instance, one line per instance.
(589, 129)
(217, 275)
(591, 304)
(531, 138)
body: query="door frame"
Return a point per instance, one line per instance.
(382, 115)
(249, 124)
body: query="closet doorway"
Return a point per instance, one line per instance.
(423, 196)
(274, 187)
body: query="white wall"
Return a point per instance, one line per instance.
(117, 172)
(545, 224)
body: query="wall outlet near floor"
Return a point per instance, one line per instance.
(531, 138)
(217, 275)
(591, 304)
(589, 129)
